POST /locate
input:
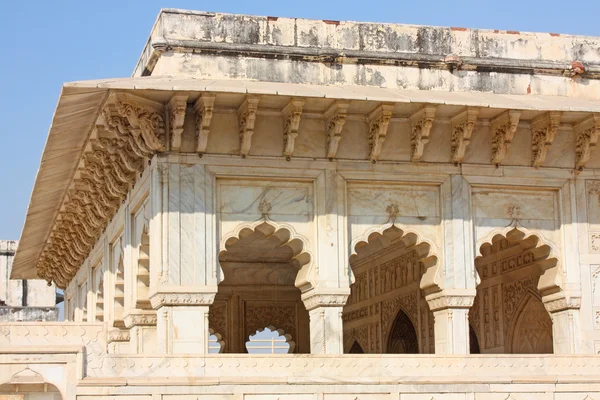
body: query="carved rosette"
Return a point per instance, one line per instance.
(543, 132)
(247, 118)
(421, 123)
(181, 299)
(335, 117)
(586, 137)
(462, 129)
(503, 129)
(130, 130)
(379, 121)
(292, 114)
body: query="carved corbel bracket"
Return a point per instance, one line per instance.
(140, 318)
(543, 132)
(421, 123)
(379, 121)
(146, 118)
(203, 108)
(176, 109)
(335, 117)
(292, 113)
(246, 119)
(503, 129)
(462, 129)
(586, 137)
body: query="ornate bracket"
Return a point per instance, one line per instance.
(586, 137)
(176, 111)
(503, 129)
(462, 129)
(335, 116)
(145, 117)
(379, 121)
(421, 123)
(292, 113)
(204, 111)
(247, 118)
(543, 132)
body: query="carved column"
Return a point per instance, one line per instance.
(182, 322)
(325, 313)
(564, 311)
(183, 255)
(451, 320)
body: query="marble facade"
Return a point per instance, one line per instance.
(440, 221)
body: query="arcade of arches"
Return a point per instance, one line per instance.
(387, 311)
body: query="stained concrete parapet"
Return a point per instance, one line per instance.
(17, 314)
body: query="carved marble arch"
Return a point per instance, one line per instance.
(544, 252)
(391, 233)
(402, 338)
(515, 269)
(263, 267)
(356, 348)
(28, 382)
(281, 237)
(270, 340)
(388, 267)
(531, 331)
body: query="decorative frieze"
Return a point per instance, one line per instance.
(503, 129)
(421, 123)
(176, 109)
(379, 121)
(441, 300)
(161, 299)
(140, 319)
(586, 137)
(203, 109)
(543, 132)
(247, 118)
(292, 113)
(335, 117)
(314, 300)
(462, 127)
(117, 335)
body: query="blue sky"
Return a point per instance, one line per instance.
(46, 43)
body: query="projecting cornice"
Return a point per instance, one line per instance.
(104, 133)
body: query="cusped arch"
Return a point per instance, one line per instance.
(283, 235)
(280, 333)
(28, 377)
(390, 233)
(541, 249)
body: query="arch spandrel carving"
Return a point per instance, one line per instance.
(282, 235)
(531, 329)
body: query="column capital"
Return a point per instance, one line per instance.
(562, 301)
(140, 318)
(451, 298)
(325, 298)
(117, 335)
(182, 296)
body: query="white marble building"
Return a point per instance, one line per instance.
(428, 197)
